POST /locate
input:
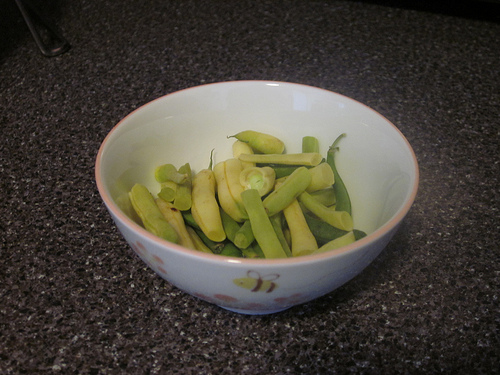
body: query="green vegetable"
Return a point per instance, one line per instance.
(338, 219)
(244, 236)
(322, 177)
(277, 222)
(324, 232)
(284, 194)
(189, 219)
(343, 200)
(344, 240)
(231, 226)
(167, 192)
(182, 200)
(261, 142)
(168, 172)
(261, 179)
(261, 225)
(325, 196)
(151, 216)
(231, 251)
(215, 247)
(309, 159)
(253, 252)
(310, 144)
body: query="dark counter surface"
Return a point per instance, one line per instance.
(75, 299)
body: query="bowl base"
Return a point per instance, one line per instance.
(254, 312)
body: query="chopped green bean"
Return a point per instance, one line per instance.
(325, 196)
(253, 251)
(338, 219)
(261, 225)
(282, 196)
(322, 231)
(310, 144)
(277, 222)
(344, 240)
(259, 178)
(309, 159)
(151, 216)
(231, 226)
(322, 177)
(231, 251)
(244, 236)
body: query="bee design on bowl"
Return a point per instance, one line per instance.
(255, 282)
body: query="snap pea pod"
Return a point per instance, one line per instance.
(343, 200)
(145, 206)
(261, 225)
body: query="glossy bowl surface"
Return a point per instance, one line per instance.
(375, 161)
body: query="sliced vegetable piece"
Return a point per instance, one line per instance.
(286, 192)
(338, 219)
(151, 217)
(204, 208)
(310, 144)
(261, 142)
(183, 196)
(262, 179)
(344, 240)
(306, 159)
(168, 172)
(261, 225)
(322, 177)
(303, 241)
(175, 219)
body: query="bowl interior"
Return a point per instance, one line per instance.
(375, 161)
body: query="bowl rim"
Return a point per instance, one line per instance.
(170, 246)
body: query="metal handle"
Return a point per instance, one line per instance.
(55, 44)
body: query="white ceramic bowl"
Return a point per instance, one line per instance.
(375, 160)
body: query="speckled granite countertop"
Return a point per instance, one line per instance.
(75, 299)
